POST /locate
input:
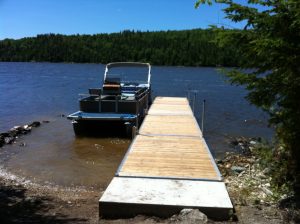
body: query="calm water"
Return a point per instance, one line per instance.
(44, 91)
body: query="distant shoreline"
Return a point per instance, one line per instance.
(167, 48)
(95, 63)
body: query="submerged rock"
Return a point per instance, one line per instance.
(35, 124)
(23, 144)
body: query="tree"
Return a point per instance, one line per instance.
(270, 48)
(161, 48)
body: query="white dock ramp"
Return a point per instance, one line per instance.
(168, 167)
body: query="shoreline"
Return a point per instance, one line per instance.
(247, 183)
(94, 63)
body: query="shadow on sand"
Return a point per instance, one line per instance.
(16, 207)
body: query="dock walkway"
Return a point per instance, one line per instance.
(167, 167)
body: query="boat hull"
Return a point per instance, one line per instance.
(103, 128)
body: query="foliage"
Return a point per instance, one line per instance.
(188, 47)
(274, 159)
(270, 48)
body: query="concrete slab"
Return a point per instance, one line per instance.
(127, 197)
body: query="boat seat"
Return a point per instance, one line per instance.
(93, 91)
(111, 89)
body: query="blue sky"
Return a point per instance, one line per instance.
(25, 18)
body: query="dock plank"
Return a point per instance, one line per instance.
(171, 100)
(170, 125)
(169, 156)
(169, 144)
(170, 109)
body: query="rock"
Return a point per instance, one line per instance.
(266, 171)
(23, 144)
(27, 128)
(227, 166)
(3, 135)
(8, 140)
(2, 142)
(241, 144)
(252, 142)
(234, 142)
(14, 133)
(218, 161)
(241, 174)
(267, 191)
(262, 175)
(238, 169)
(35, 124)
(46, 122)
(189, 216)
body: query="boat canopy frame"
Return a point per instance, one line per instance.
(128, 64)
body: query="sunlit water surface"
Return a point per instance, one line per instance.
(53, 155)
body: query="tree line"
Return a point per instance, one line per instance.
(187, 48)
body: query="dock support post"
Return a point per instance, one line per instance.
(195, 93)
(133, 132)
(194, 98)
(202, 120)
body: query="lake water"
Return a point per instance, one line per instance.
(45, 91)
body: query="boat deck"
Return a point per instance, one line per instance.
(167, 167)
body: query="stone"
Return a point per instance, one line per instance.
(266, 171)
(234, 142)
(267, 191)
(35, 124)
(5, 134)
(189, 216)
(227, 166)
(238, 169)
(8, 140)
(23, 144)
(27, 128)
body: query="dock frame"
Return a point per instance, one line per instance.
(167, 167)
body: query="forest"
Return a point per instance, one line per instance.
(183, 48)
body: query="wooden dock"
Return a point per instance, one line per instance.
(168, 161)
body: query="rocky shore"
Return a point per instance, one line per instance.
(250, 186)
(14, 133)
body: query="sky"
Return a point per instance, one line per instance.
(27, 18)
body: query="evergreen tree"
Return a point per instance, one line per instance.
(270, 47)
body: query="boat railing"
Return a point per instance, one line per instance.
(114, 103)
